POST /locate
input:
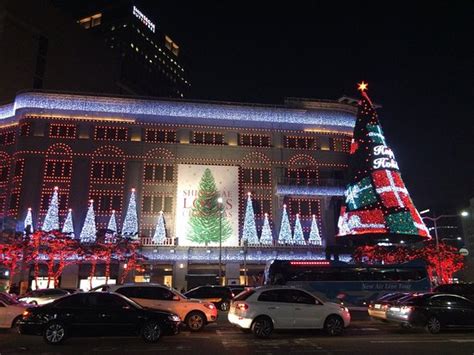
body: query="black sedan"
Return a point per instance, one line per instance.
(433, 311)
(97, 314)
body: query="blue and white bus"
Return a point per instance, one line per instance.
(354, 284)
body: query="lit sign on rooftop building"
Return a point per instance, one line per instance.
(146, 21)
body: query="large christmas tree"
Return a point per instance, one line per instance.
(89, 230)
(377, 202)
(208, 223)
(130, 223)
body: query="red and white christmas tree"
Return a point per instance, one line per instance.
(376, 199)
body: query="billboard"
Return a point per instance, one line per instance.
(199, 221)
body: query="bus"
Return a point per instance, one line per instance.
(353, 284)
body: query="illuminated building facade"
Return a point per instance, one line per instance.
(95, 147)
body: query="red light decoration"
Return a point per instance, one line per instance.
(311, 263)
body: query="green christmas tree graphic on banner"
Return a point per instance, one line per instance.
(208, 223)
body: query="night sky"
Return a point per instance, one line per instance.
(418, 60)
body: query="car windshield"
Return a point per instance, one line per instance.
(7, 299)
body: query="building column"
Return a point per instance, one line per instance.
(70, 276)
(180, 269)
(232, 273)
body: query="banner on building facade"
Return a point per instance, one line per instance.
(201, 220)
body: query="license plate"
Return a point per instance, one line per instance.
(377, 306)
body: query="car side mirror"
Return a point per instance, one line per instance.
(176, 298)
(317, 303)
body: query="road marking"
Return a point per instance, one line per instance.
(408, 341)
(462, 340)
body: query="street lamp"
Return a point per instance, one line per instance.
(220, 201)
(435, 227)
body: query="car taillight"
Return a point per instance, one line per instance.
(209, 305)
(371, 306)
(385, 307)
(242, 306)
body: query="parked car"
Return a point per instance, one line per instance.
(433, 311)
(236, 289)
(10, 310)
(461, 289)
(219, 295)
(377, 309)
(43, 296)
(97, 314)
(266, 308)
(193, 312)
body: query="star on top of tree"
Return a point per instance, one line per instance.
(362, 86)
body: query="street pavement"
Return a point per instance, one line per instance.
(362, 337)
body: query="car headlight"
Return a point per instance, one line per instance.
(174, 318)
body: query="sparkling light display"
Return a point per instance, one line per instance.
(28, 223)
(207, 114)
(130, 223)
(89, 231)
(51, 221)
(298, 236)
(159, 237)
(314, 237)
(112, 225)
(267, 236)
(283, 190)
(376, 199)
(249, 230)
(68, 227)
(284, 237)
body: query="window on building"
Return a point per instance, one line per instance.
(340, 144)
(19, 165)
(106, 201)
(156, 203)
(304, 207)
(7, 138)
(160, 136)
(46, 199)
(111, 133)
(208, 138)
(108, 170)
(303, 177)
(91, 21)
(158, 173)
(58, 168)
(256, 176)
(14, 199)
(171, 45)
(4, 174)
(62, 131)
(25, 129)
(261, 205)
(254, 140)
(300, 142)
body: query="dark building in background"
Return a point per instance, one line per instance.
(41, 48)
(151, 62)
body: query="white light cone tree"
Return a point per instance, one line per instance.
(28, 223)
(298, 236)
(314, 237)
(51, 221)
(68, 227)
(159, 237)
(89, 230)
(284, 237)
(267, 237)
(130, 223)
(249, 231)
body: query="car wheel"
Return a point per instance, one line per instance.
(151, 332)
(334, 325)
(224, 306)
(433, 325)
(54, 333)
(195, 321)
(15, 324)
(262, 327)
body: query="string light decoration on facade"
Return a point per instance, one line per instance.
(28, 223)
(159, 237)
(249, 230)
(298, 236)
(314, 237)
(266, 238)
(284, 237)
(130, 223)
(376, 199)
(68, 227)
(89, 230)
(51, 221)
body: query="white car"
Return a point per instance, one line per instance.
(10, 311)
(194, 313)
(43, 296)
(266, 308)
